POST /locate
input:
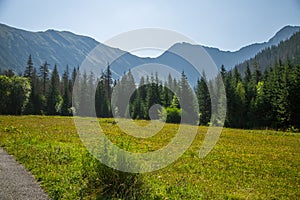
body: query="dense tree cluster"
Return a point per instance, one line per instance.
(41, 92)
(255, 99)
(264, 99)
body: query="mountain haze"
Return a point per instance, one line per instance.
(52, 46)
(66, 48)
(288, 49)
(230, 59)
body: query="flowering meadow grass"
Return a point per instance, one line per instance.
(244, 164)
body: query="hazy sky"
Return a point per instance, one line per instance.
(226, 24)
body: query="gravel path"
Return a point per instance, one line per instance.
(15, 182)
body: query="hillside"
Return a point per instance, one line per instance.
(56, 47)
(52, 46)
(289, 49)
(62, 48)
(230, 59)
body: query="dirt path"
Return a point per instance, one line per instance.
(16, 182)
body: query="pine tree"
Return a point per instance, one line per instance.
(231, 99)
(29, 69)
(203, 101)
(83, 106)
(139, 103)
(66, 104)
(107, 77)
(249, 86)
(187, 101)
(54, 99)
(103, 95)
(100, 98)
(257, 72)
(276, 97)
(152, 98)
(30, 73)
(44, 75)
(294, 96)
(236, 77)
(240, 102)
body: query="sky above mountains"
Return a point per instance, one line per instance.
(228, 25)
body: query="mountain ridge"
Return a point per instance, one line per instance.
(244, 53)
(67, 48)
(285, 50)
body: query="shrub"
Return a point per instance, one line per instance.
(171, 115)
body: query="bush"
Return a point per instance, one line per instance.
(171, 115)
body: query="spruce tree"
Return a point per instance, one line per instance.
(29, 68)
(54, 99)
(203, 101)
(66, 104)
(294, 96)
(187, 101)
(44, 75)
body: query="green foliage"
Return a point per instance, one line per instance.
(171, 115)
(29, 69)
(102, 94)
(265, 99)
(67, 91)
(14, 94)
(54, 99)
(44, 75)
(204, 101)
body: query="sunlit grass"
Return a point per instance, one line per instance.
(245, 164)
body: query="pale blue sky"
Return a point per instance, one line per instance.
(226, 24)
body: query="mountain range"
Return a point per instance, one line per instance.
(268, 57)
(65, 48)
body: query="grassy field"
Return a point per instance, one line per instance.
(245, 164)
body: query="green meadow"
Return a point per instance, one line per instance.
(244, 164)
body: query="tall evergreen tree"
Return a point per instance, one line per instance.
(54, 99)
(187, 101)
(249, 86)
(44, 75)
(83, 106)
(294, 96)
(103, 94)
(67, 89)
(257, 72)
(34, 102)
(152, 98)
(29, 68)
(204, 101)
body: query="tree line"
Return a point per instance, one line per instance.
(255, 99)
(263, 99)
(43, 92)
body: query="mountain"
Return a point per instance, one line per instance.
(230, 59)
(52, 46)
(66, 48)
(287, 49)
(56, 47)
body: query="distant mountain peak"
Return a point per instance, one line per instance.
(284, 34)
(285, 50)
